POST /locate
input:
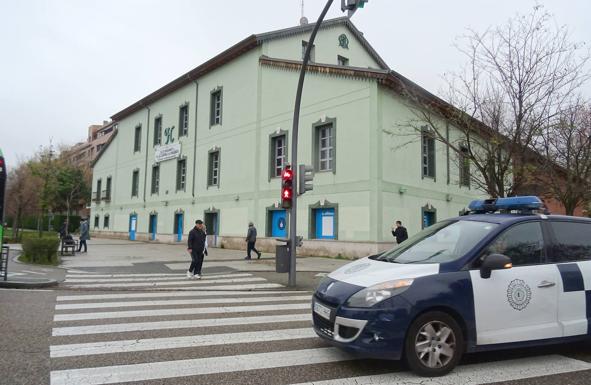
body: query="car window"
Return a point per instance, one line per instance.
(442, 242)
(523, 243)
(572, 242)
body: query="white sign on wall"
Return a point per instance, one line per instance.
(168, 151)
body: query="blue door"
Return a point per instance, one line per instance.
(153, 226)
(428, 219)
(132, 226)
(279, 224)
(325, 223)
(178, 226)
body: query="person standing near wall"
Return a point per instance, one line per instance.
(251, 239)
(399, 232)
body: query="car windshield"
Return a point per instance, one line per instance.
(445, 241)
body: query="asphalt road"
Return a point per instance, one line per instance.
(150, 325)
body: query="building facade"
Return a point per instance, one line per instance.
(210, 145)
(83, 154)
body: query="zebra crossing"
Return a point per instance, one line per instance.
(224, 329)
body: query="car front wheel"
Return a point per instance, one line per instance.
(434, 344)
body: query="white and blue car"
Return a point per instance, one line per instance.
(503, 276)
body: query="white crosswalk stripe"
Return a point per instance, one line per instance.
(183, 282)
(213, 329)
(149, 279)
(86, 349)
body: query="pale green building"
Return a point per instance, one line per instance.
(210, 144)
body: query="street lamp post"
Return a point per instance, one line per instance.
(351, 6)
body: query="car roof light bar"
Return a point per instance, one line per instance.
(522, 204)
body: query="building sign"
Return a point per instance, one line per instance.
(168, 135)
(168, 151)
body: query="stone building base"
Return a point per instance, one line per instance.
(311, 247)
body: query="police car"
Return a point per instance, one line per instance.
(503, 276)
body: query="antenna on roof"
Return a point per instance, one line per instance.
(303, 19)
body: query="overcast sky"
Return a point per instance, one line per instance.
(67, 64)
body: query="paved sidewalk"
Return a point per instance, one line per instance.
(121, 256)
(25, 276)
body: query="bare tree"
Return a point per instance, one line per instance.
(517, 78)
(565, 169)
(21, 195)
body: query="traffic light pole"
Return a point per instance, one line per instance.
(294, 149)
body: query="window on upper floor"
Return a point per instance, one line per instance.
(216, 107)
(324, 144)
(155, 179)
(342, 61)
(108, 190)
(464, 160)
(312, 50)
(278, 155)
(184, 120)
(135, 183)
(99, 185)
(181, 174)
(157, 130)
(428, 154)
(213, 174)
(137, 141)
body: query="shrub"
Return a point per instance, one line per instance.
(41, 250)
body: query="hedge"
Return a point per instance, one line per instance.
(30, 222)
(41, 250)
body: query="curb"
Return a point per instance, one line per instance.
(27, 285)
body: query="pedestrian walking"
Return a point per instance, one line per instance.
(196, 247)
(251, 239)
(205, 245)
(84, 235)
(399, 232)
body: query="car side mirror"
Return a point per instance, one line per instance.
(494, 262)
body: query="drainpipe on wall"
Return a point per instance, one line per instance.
(147, 148)
(195, 137)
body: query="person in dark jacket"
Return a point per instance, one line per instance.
(251, 239)
(63, 230)
(399, 232)
(84, 235)
(196, 247)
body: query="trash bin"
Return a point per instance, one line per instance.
(281, 259)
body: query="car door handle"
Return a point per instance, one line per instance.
(546, 284)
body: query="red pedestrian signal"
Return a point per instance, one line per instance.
(286, 187)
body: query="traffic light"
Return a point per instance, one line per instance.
(305, 174)
(352, 5)
(286, 187)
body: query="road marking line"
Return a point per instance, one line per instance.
(33, 272)
(178, 311)
(131, 275)
(178, 324)
(483, 373)
(195, 367)
(125, 346)
(180, 302)
(194, 293)
(182, 282)
(149, 279)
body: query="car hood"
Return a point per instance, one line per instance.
(367, 272)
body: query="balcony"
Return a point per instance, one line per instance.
(96, 197)
(106, 195)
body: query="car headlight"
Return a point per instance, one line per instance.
(377, 293)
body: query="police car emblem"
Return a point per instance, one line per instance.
(356, 268)
(518, 294)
